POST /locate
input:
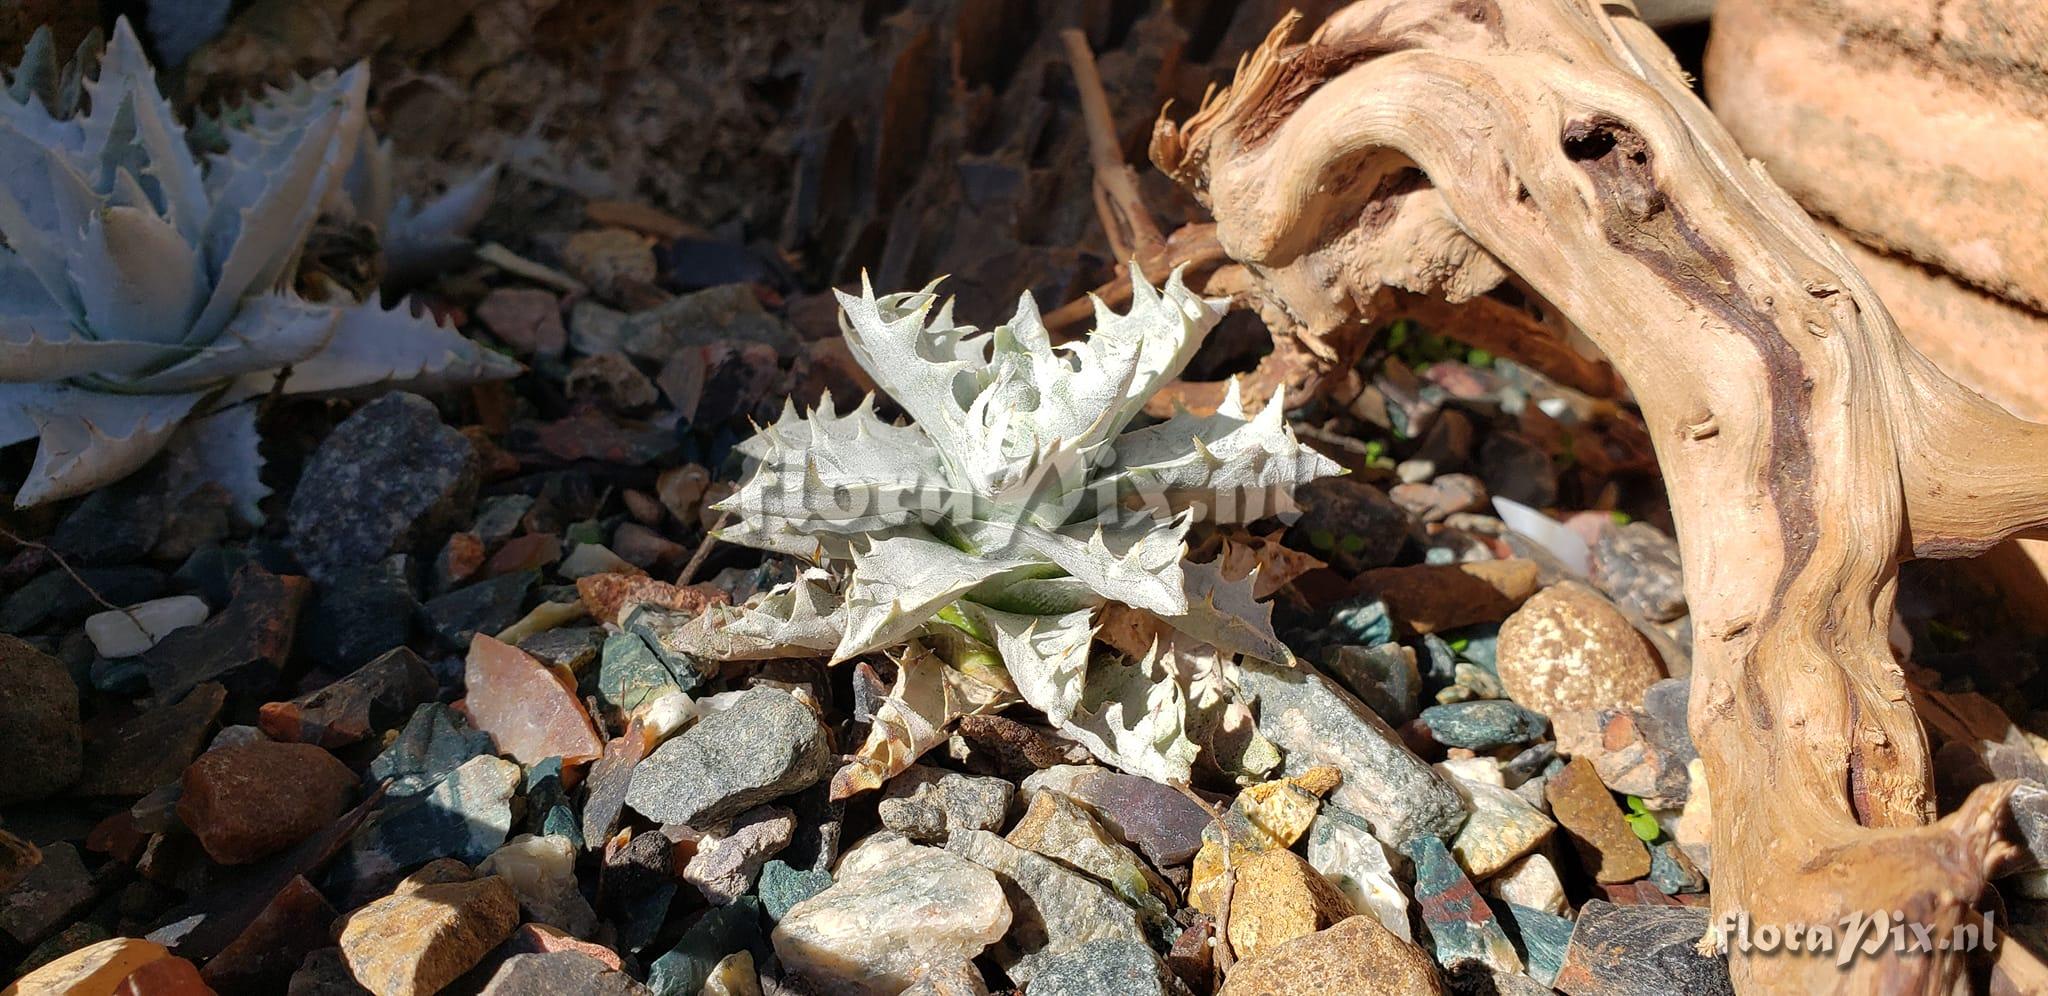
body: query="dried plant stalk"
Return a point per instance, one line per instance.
(1435, 146)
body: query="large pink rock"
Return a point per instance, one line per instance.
(530, 713)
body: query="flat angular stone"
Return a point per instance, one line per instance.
(434, 742)
(40, 733)
(542, 872)
(1461, 926)
(417, 941)
(630, 674)
(152, 749)
(926, 803)
(1015, 748)
(1431, 598)
(387, 476)
(251, 800)
(262, 959)
(1532, 882)
(1318, 723)
(1344, 851)
(1569, 648)
(638, 884)
(1501, 828)
(359, 613)
(173, 976)
(378, 696)
(96, 970)
(1672, 872)
(1621, 950)
(572, 648)
(610, 596)
(1064, 830)
(1541, 936)
(876, 926)
(525, 318)
(720, 932)
(18, 857)
(54, 891)
(1161, 823)
(485, 607)
(765, 746)
(609, 780)
(1278, 898)
(531, 712)
(561, 973)
(1483, 725)
(1057, 909)
(1383, 677)
(1106, 965)
(783, 885)
(467, 815)
(1590, 817)
(1264, 817)
(727, 860)
(243, 647)
(55, 597)
(1357, 957)
(1637, 565)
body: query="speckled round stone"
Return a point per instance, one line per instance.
(1569, 648)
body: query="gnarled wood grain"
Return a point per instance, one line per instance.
(1434, 146)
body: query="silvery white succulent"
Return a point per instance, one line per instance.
(1015, 507)
(138, 288)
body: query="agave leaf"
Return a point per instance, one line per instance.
(841, 474)
(1112, 373)
(1238, 470)
(797, 619)
(922, 705)
(1227, 614)
(149, 279)
(35, 76)
(418, 242)
(271, 331)
(900, 582)
(1046, 656)
(1134, 559)
(90, 439)
(1134, 716)
(125, 99)
(928, 369)
(41, 188)
(374, 348)
(224, 449)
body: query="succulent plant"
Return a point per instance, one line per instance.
(1018, 513)
(139, 288)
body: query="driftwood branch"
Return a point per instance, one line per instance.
(1433, 147)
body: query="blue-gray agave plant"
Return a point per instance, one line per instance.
(139, 288)
(1016, 508)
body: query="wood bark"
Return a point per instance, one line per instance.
(1436, 146)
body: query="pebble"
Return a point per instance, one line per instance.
(359, 613)
(261, 959)
(1569, 648)
(1431, 598)
(1056, 908)
(630, 674)
(1672, 872)
(926, 803)
(541, 869)
(560, 973)
(609, 780)
(1344, 851)
(1501, 828)
(527, 319)
(1268, 816)
(253, 800)
(387, 476)
(1348, 523)
(1356, 957)
(638, 884)
(609, 381)
(1637, 565)
(1462, 928)
(53, 891)
(610, 596)
(882, 919)
(434, 742)
(1590, 817)
(1317, 723)
(1621, 950)
(467, 815)
(570, 648)
(485, 607)
(530, 711)
(95, 970)
(728, 860)
(1442, 497)
(611, 260)
(783, 885)
(1106, 965)
(244, 647)
(1017, 749)
(1064, 830)
(1530, 881)
(1383, 677)
(1279, 896)
(539, 938)
(130, 631)
(1543, 938)
(55, 597)
(440, 923)
(40, 733)
(765, 746)
(716, 935)
(1483, 724)
(152, 749)
(1164, 825)
(1634, 752)
(531, 552)
(379, 696)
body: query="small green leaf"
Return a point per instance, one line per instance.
(1374, 450)
(1620, 517)
(1645, 827)
(1458, 645)
(1479, 358)
(1635, 805)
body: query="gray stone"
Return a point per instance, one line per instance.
(1057, 909)
(764, 746)
(487, 607)
(1637, 565)
(1161, 823)
(434, 742)
(630, 674)
(721, 931)
(560, 973)
(466, 816)
(726, 862)
(571, 647)
(361, 612)
(1343, 850)
(896, 908)
(387, 477)
(1065, 831)
(40, 735)
(926, 803)
(56, 597)
(1106, 965)
(1483, 725)
(1502, 827)
(1383, 677)
(1620, 950)
(1316, 723)
(1349, 524)
(50, 895)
